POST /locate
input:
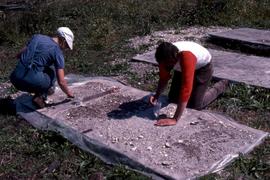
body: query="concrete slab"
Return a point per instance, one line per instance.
(248, 39)
(252, 70)
(115, 122)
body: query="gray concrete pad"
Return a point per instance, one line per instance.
(255, 40)
(256, 36)
(115, 122)
(252, 70)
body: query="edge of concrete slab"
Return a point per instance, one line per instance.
(225, 35)
(227, 160)
(247, 46)
(146, 57)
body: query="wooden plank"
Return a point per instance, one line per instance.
(252, 70)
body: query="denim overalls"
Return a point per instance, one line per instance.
(35, 71)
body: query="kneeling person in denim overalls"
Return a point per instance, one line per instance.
(41, 62)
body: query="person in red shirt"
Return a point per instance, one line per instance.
(190, 82)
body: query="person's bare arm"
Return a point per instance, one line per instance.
(62, 83)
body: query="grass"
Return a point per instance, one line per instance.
(27, 153)
(102, 29)
(249, 105)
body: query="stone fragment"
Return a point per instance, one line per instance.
(166, 163)
(167, 145)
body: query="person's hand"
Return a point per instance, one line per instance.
(152, 100)
(166, 122)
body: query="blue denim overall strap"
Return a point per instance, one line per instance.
(33, 47)
(28, 66)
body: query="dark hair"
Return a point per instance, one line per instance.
(166, 51)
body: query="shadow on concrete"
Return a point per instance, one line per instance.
(140, 108)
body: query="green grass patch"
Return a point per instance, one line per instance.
(102, 27)
(29, 153)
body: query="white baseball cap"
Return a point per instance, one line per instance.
(66, 33)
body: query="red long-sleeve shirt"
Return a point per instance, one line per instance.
(187, 62)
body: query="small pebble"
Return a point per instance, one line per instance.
(180, 141)
(115, 140)
(194, 123)
(166, 163)
(167, 145)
